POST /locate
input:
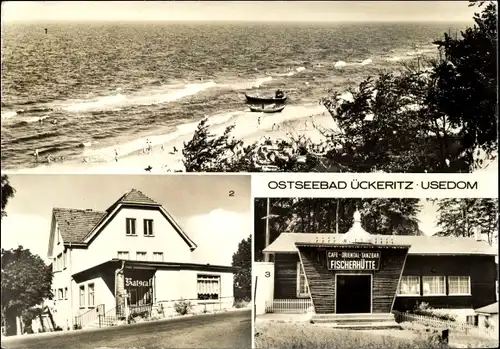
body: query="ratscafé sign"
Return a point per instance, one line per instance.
(131, 282)
(138, 278)
(353, 260)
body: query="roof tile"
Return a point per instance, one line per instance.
(135, 196)
(75, 224)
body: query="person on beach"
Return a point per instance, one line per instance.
(162, 148)
(35, 154)
(116, 155)
(258, 119)
(40, 120)
(49, 159)
(175, 149)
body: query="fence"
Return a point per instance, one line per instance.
(87, 318)
(438, 323)
(167, 308)
(289, 306)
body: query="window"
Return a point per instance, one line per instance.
(472, 320)
(148, 227)
(65, 259)
(458, 285)
(82, 296)
(130, 226)
(434, 285)
(302, 288)
(90, 290)
(208, 287)
(59, 262)
(158, 256)
(141, 256)
(123, 255)
(65, 293)
(61, 294)
(409, 286)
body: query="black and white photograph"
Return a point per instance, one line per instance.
(139, 261)
(249, 86)
(375, 273)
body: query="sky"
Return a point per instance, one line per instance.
(323, 11)
(201, 205)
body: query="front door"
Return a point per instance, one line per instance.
(353, 294)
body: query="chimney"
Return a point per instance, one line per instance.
(477, 234)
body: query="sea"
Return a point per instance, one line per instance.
(77, 90)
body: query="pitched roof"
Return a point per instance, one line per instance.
(489, 309)
(133, 196)
(75, 224)
(419, 245)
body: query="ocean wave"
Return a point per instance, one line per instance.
(118, 101)
(339, 64)
(8, 114)
(36, 137)
(343, 64)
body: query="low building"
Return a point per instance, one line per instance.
(487, 317)
(131, 258)
(361, 273)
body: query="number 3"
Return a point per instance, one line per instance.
(267, 274)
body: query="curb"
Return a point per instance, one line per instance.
(87, 329)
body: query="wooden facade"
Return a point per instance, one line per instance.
(322, 282)
(285, 279)
(480, 268)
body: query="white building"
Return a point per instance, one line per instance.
(131, 258)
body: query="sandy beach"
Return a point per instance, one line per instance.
(295, 120)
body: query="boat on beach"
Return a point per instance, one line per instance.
(279, 97)
(267, 109)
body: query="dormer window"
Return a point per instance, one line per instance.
(148, 227)
(130, 222)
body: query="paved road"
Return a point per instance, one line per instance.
(225, 330)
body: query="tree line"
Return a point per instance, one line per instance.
(395, 216)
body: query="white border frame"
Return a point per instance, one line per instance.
(371, 290)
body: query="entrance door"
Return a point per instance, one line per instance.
(354, 294)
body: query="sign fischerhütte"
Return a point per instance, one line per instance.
(353, 260)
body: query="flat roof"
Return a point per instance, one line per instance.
(419, 245)
(116, 263)
(489, 309)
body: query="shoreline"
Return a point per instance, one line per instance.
(296, 120)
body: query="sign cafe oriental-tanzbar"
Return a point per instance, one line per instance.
(346, 260)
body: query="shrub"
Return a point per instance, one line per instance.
(182, 307)
(426, 310)
(240, 304)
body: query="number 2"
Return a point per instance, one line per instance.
(231, 193)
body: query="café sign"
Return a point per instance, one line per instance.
(353, 260)
(130, 282)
